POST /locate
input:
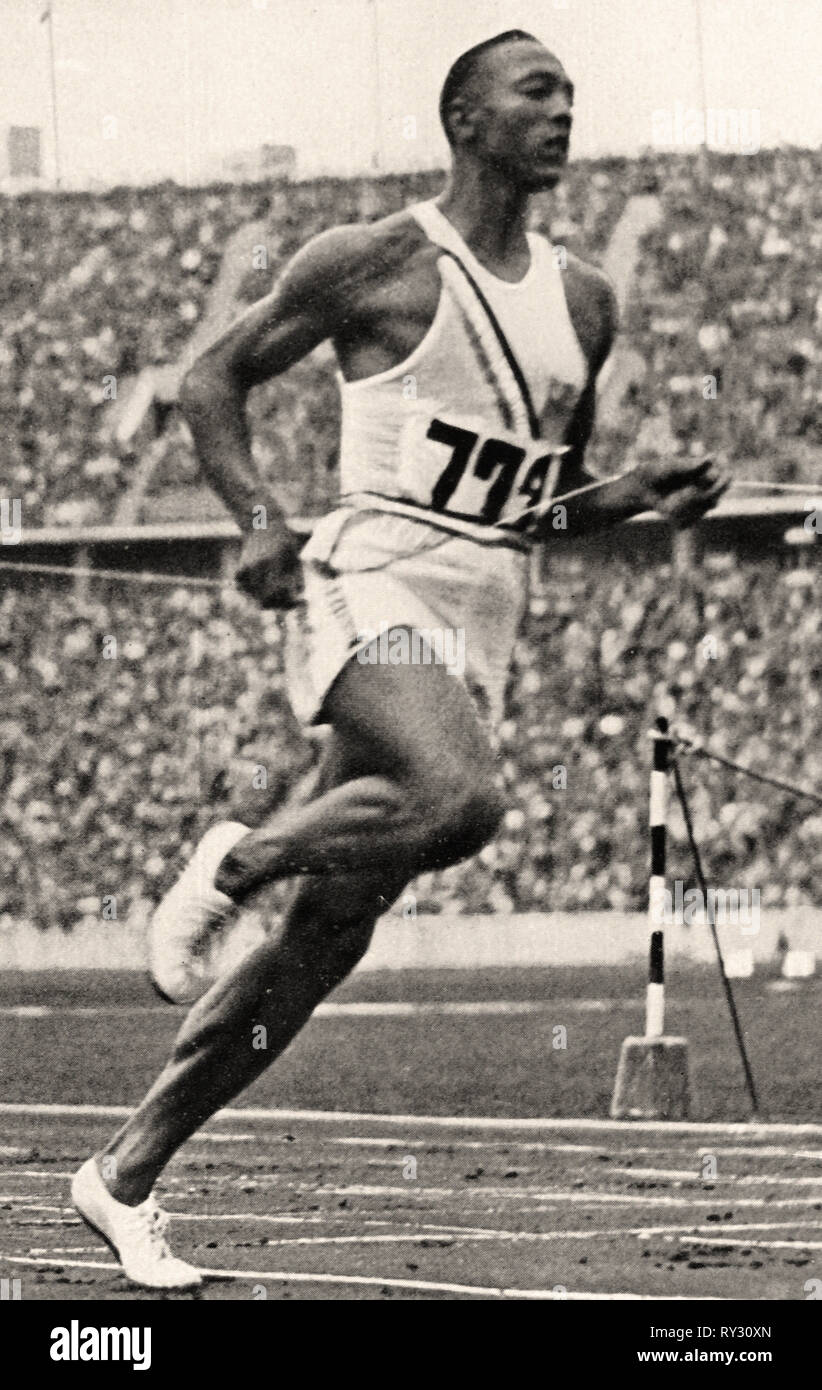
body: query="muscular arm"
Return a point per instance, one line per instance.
(266, 340)
(594, 309)
(683, 489)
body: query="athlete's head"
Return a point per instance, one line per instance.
(507, 103)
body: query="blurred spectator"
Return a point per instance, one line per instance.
(115, 758)
(98, 287)
(111, 765)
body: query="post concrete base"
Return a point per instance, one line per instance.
(652, 1080)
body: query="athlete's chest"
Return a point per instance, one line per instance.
(392, 315)
(389, 315)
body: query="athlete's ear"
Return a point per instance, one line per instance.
(462, 121)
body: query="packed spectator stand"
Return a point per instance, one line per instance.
(113, 758)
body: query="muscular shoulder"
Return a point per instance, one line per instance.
(343, 261)
(592, 305)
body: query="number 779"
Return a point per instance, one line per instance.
(497, 458)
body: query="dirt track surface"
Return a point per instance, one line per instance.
(460, 1188)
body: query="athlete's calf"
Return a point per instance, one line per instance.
(247, 1019)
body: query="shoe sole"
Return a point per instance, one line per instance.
(163, 994)
(158, 989)
(167, 1288)
(168, 998)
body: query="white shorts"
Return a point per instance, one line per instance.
(367, 573)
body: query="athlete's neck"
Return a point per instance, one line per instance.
(490, 216)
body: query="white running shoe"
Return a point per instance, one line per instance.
(187, 926)
(136, 1235)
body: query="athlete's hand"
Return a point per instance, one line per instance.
(681, 489)
(269, 567)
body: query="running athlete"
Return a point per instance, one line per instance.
(468, 362)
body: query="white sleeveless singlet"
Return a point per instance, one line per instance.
(443, 459)
(470, 427)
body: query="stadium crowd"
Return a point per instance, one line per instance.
(98, 286)
(132, 716)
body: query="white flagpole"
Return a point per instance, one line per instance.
(703, 85)
(376, 153)
(48, 16)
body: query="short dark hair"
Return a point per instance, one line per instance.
(463, 69)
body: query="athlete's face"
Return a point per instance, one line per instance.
(520, 114)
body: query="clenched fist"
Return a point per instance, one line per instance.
(681, 489)
(269, 567)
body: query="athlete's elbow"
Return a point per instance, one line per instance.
(196, 392)
(207, 385)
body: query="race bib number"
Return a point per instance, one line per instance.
(452, 465)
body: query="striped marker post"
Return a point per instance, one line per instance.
(655, 993)
(658, 823)
(652, 1076)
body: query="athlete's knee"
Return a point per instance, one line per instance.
(459, 819)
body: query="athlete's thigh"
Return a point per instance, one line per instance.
(338, 760)
(342, 759)
(407, 720)
(381, 726)
(341, 901)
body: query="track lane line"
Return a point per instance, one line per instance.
(752, 1130)
(457, 1008)
(374, 1281)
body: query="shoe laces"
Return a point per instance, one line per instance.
(151, 1223)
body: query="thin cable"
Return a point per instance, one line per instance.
(541, 510)
(537, 513)
(698, 751)
(133, 576)
(807, 489)
(709, 909)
